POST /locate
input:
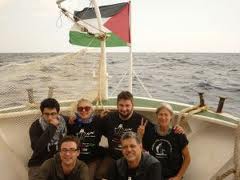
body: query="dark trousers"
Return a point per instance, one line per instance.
(106, 164)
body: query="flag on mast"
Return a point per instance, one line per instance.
(119, 24)
(116, 25)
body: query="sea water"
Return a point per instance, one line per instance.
(168, 76)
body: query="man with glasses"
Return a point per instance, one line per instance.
(65, 164)
(45, 134)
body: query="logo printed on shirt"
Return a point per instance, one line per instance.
(53, 145)
(162, 148)
(118, 132)
(86, 141)
(82, 134)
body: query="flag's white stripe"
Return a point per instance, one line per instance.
(93, 23)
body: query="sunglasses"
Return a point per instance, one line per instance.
(82, 108)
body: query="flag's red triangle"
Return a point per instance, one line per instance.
(119, 24)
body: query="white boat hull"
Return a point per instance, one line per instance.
(211, 146)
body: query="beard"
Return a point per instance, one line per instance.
(125, 115)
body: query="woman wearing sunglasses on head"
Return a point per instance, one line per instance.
(86, 126)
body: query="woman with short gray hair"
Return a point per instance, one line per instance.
(170, 148)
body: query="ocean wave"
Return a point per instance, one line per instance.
(176, 77)
(233, 70)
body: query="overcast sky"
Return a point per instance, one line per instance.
(158, 26)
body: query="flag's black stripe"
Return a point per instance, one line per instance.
(106, 11)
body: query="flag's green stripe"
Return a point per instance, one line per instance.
(84, 39)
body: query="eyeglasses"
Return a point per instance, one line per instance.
(50, 114)
(86, 108)
(72, 150)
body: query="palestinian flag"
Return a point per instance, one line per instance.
(115, 19)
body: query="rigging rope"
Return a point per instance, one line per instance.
(101, 35)
(184, 114)
(67, 14)
(143, 86)
(123, 77)
(59, 20)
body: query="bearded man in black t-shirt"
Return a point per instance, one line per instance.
(115, 124)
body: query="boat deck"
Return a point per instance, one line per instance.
(152, 104)
(146, 104)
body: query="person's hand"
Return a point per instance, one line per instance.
(175, 178)
(72, 119)
(104, 113)
(141, 128)
(178, 129)
(54, 121)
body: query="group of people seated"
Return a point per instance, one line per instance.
(68, 148)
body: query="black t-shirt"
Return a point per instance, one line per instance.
(89, 135)
(114, 127)
(168, 150)
(66, 177)
(131, 174)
